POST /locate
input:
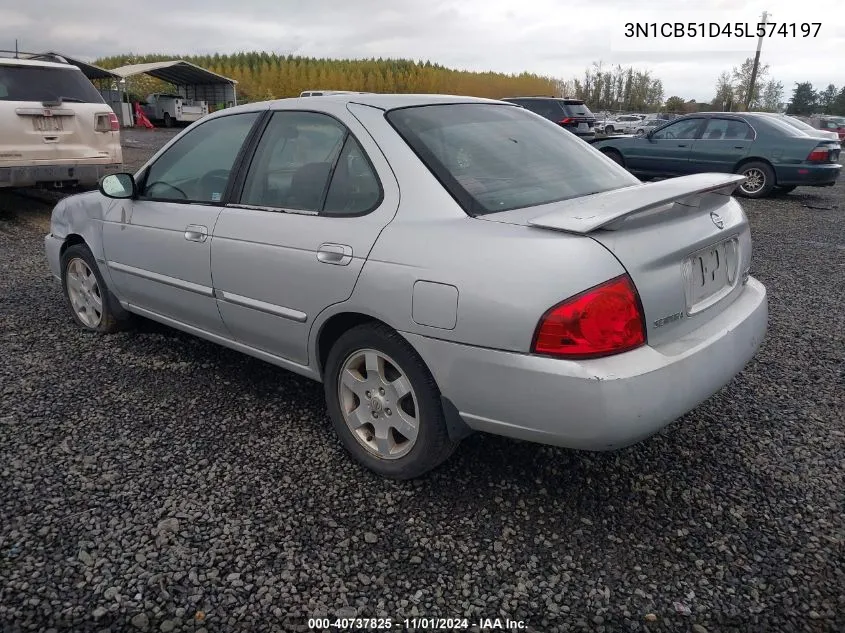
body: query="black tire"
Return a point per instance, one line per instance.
(786, 188)
(110, 319)
(758, 174)
(615, 156)
(168, 120)
(432, 445)
(608, 130)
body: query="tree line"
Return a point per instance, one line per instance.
(262, 75)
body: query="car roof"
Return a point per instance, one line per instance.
(12, 61)
(392, 101)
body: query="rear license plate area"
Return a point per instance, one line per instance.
(47, 124)
(583, 127)
(710, 274)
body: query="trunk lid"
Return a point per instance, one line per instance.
(685, 242)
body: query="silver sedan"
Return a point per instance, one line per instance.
(442, 264)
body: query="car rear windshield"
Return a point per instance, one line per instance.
(575, 108)
(46, 84)
(496, 157)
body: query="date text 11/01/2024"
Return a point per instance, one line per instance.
(721, 29)
(415, 624)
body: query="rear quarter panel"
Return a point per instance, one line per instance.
(506, 276)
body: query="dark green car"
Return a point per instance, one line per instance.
(770, 153)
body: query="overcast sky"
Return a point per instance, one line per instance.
(554, 37)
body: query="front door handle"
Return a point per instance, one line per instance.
(739, 146)
(337, 254)
(196, 233)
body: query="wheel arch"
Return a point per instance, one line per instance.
(334, 326)
(756, 159)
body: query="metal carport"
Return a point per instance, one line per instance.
(191, 81)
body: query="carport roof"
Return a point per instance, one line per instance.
(177, 72)
(89, 70)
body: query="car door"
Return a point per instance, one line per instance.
(723, 143)
(666, 151)
(157, 246)
(309, 210)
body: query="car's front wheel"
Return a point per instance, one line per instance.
(759, 180)
(86, 293)
(384, 403)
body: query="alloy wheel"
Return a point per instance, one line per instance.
(84, 293)
(378, 404)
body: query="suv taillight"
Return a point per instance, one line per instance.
(819, 155)
(566, 121)
(107, 122)
(601, 321)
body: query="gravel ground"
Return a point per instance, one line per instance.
(150, 481)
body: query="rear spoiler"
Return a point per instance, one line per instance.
(583, 215)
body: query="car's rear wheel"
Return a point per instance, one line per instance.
(609, 130)
(86, 293)
(168, 120)
(615, 156)
(759, 180)
(384, 403)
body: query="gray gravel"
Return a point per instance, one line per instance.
(150, 481)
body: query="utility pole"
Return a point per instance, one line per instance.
(750, 94)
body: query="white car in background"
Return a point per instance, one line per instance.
(55, 127)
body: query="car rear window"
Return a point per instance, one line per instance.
(46, 84)
(575, 108)
(496, 157)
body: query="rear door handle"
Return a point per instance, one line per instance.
(682, 145)
(739, 146)
(337, 254)
(196, 233)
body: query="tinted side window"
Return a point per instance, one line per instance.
(681, 130)
(196, 167)
(544, 107)
(727, 129)
(294, 161)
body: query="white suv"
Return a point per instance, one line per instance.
(55, 128)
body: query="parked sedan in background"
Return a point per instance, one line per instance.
(770, 154)
(300, 231)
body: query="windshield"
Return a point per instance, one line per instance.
(497, 158)
(46, 84)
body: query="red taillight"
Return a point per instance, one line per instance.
(602, 321)
(818, 155)
(107, 122)
(566, 120)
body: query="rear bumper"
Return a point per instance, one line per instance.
(600, 404)
(60, 173)
(807, 175)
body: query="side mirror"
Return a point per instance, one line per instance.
(118, 186)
